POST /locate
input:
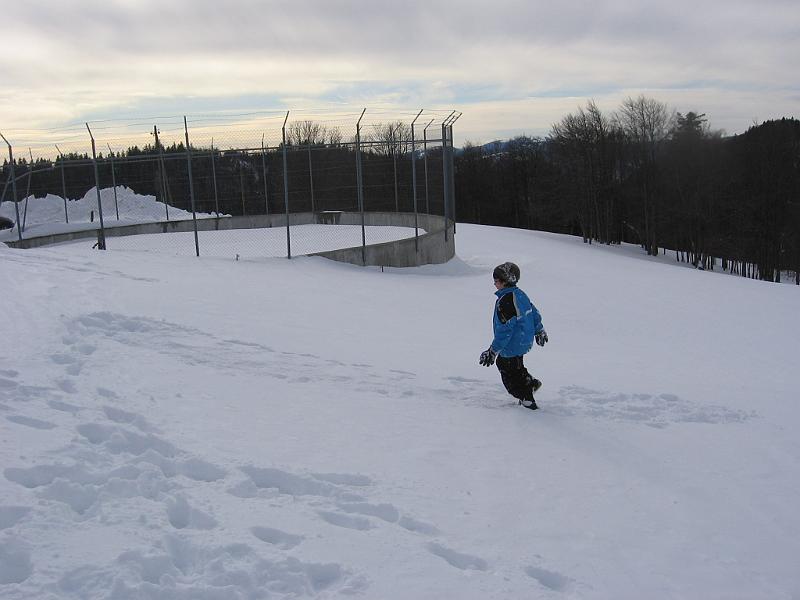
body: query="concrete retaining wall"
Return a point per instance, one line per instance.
(428, 248)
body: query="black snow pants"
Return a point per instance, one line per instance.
(516, 379)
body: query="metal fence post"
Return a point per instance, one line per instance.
(414, 182)
(264, 172)
(27, 192)
(191, 186)
(311, 176)
(162, 170)
(113, 179)
(360, 187)
(241, 182)
(425, 158)
(395, 150)
(13, 184)
(445, 181)
(452, 172)
(63, 185)
(101, 236)
(452, 199)
(286, 187)
(214, 179)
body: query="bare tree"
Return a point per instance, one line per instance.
(588, 144)
(335, 136)
(571, 139)
(394, 138)
(303, 133)
(646, 123)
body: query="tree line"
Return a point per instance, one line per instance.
(648, 176)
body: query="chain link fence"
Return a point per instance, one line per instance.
(284, 177)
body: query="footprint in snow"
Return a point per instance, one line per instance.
(463, 380)
(346, 521)
(458, 560)
(344, 479)
(11, 515)
(30, 422)
(62, 359)
(402, 374)
(78, 496)
(63, 406)
(183, 516)
(67, 386)
(416, 526)
(74, 369)
(200, 470)
(7, 384)
(86, 349)
(654, 410)
(244, 489)
(549, 579)
(289, 483)
(71, 364)
(119, 440)
(183, 567)
(386, 512)
(15, 562)
(124, 417)
(276, 537)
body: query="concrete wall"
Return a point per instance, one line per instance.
(430, 247)
(212, 224)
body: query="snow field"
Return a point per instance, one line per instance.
(174, 427)
(255, 244)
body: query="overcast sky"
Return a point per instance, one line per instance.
(510, 67)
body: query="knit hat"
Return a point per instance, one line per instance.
(508, 273)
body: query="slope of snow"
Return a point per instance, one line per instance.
(175, 427)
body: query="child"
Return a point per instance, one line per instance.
(517, 324)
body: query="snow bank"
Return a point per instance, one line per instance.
(46, 215)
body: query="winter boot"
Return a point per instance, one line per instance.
(528, 401)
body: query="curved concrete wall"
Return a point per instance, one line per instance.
(433, 246)
(428, 248)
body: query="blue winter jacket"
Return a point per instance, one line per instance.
(516, 322)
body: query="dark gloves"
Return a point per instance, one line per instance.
(487, 357)
(541, 337)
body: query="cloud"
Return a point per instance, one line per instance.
(73, 61)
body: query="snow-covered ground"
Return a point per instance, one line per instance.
(183, 428)
(258, 243)
(46, 216)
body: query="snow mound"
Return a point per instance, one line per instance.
(40, 215)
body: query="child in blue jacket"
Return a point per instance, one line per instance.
(517, 324)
